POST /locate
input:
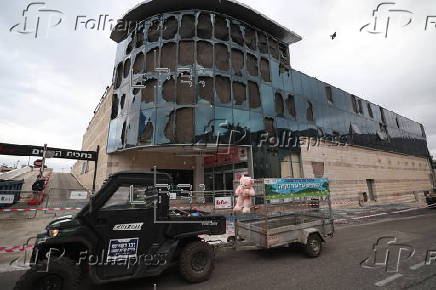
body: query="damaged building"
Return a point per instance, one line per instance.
(204, 90)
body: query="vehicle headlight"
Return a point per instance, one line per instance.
(53, 233)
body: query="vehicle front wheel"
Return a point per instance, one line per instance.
(59, 274)
(313, 246)
(197, 261)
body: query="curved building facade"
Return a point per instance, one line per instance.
(191, 75)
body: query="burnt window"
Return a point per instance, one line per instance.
(397, 122)
(206, 88)
(221, 57)
(273, 48)
(187, 27)
(126, 68)
(123, 101)
(237, 61)
(382, 114)
(185, 92)
(171, 27)
(250, 38)
(254, 95)
(154, 31)
(279, 105)
(222, 88)
(118, 75)
(115, 101)
(329, 94)
(146, 136)
(290, 103)
(169, 90)
(263, 42)
(360, 106)
(252, 67)
(139, 37)
(204, 26)
(139, 64)
(123, 133)
(284, 55)
(152, 60)
(221, 28)
(370, 113)
(264, 70)
(205, 54)
(183, 121)
(239, 93)
(147, 92)
(168, 56)
(186, 53)
(236, 33)
(354, 104)
(309, 112)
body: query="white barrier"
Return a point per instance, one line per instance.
(15, 173)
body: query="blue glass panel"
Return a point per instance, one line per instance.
(223, 124)
(241, 127)
(165, 126)
(277, 81)
(114, 140)
(147, 127)
(204, 125)
(296, 80)
(266, 93)
(132, 129)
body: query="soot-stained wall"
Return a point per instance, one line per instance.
(195, 76)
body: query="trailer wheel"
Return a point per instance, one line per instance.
(197, 261)
(313, 246)
(62, 274)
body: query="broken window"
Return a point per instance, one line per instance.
(184, 125)
(151, 60)
(147, 92)
(139, 64)
(170, 126)
(237, 61)
(422, 131)
(264, 70)
(329, 94)
(146, 135)
(168, 56)
(118, 75)
(171, 26)
(371, 114)
(290, 102)
(126, 68)
(250, 38)
(205, 54)
(354, 103)
(169, 90)
(221, 28)
(263, 43)
(309, 112)
(397, 122)
(115, 101)
(222, 88)
(239, 93)
(360, 106)
(382, 114)
(187, 28)
(252, 66)
(123, 100)
(130, 45)
(123, 133)
(204, 26)
(236, 33)
(279, 105)
(221, 57)
(254, 95)
(154, 31)
(139, 37)
(186, 53)
(185, 92)
(273, 48)
(206, 88)
(284, 55)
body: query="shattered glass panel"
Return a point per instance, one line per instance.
(241, 127)
(206, 90)
(165, 125)
(223, 124)
(239, 94)
(236, 33)
(169, 91)
(204, 26)
(154, 31)
(265, 70)
(221, 28)
(223, 90)
(186, 53)
(187, 28)
(139, 64)
(254, 95)
(184, 125)
(185, 91)
(252, 67)
(152, 60)
(237, 61)
(148, 93)
(170, 28)
(147, 126)
(205, 54)
(250, 38)
(204, 122)
(169, 56)
(222, 57)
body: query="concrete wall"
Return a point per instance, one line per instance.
(396, 177)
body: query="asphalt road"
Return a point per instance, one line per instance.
(339, 266)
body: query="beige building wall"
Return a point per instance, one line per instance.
(396, 177)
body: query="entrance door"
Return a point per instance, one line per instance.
(371, 189)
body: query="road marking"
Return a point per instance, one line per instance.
(417, 266)
(405, 210)
(388, 280)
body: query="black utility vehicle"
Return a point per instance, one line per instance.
(125, 232)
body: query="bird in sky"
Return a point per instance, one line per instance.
(333, 36)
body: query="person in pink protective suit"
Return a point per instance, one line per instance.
(243, 194)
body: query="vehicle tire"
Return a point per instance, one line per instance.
(62, 274)
(197, 261)
(313, 246)
(231, 239)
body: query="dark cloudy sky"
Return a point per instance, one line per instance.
(50, 85)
